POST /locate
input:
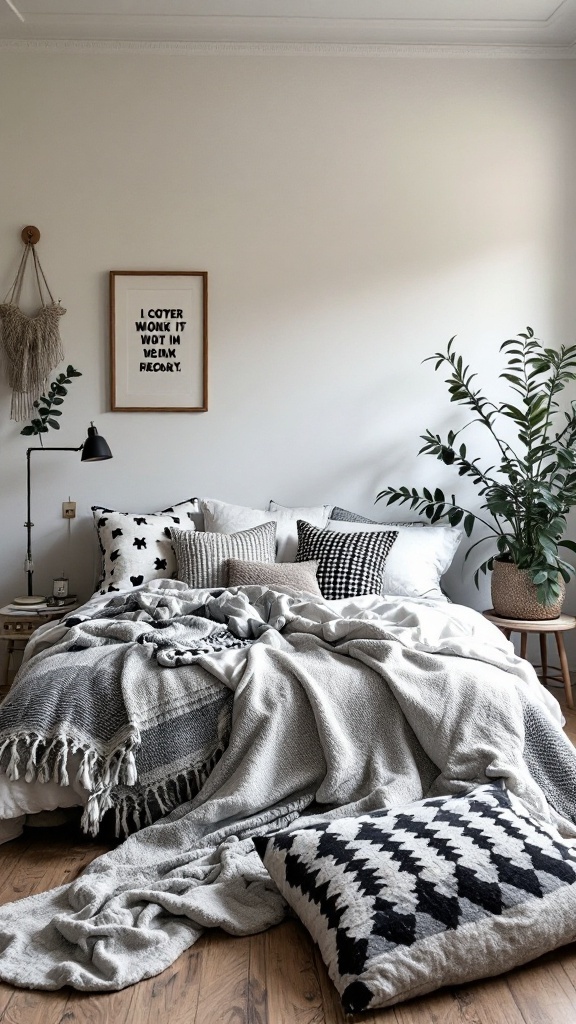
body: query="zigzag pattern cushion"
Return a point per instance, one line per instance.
(434, 893)
(136, 547)
(202, 557)
(349, 564)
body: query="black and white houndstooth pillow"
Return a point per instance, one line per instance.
(136, 547)
(349, 564)
(437, 892)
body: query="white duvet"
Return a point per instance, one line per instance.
(422, 624)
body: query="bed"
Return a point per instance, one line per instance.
(136, 549)
(229, 718)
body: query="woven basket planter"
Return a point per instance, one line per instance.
(514, 594)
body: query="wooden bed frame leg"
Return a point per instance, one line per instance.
(564, 669)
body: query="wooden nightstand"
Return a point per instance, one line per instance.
(543, 627)
(17, 629)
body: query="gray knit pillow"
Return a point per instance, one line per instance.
(201, 557)
(344, 516)
(299, 576)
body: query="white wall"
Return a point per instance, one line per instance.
(352, 213)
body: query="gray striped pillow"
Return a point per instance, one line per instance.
(203, 563)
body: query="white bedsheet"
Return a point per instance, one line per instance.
(20, 799)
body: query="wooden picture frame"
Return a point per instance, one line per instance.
(159, 363)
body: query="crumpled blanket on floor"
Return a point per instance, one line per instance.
(335, 712)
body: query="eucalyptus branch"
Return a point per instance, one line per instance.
(47, 414)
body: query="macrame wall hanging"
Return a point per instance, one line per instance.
(31, 344)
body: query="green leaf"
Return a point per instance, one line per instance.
(54, 424)
(567, 544)
(469, 524)
(513, 412)
(28, 430)
(455, 516)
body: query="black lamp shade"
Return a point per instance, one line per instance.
(95, 448)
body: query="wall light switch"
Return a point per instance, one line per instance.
(69, 510)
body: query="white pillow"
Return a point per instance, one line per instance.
(136, 547)
(418, 559)
(220, 517)
(286, 529)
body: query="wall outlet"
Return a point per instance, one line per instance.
(69, 510)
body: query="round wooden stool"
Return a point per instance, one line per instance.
(543, 627)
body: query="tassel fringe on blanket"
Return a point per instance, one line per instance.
(111, 781)
(165, 725)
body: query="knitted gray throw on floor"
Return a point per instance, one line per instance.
(331, 713)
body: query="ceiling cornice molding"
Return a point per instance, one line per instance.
(222, 49)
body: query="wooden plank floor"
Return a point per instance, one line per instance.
(276, 977)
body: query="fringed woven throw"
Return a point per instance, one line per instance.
(124, 704)
(31, 344)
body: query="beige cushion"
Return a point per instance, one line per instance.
(299, 576)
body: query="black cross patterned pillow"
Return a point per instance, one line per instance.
(349, 564)
(438, 892)
(137, 546)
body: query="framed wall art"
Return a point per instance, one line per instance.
(159, 340)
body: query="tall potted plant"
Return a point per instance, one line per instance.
(529, 491)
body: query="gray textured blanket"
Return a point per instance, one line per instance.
(333, 713)
(126, 692)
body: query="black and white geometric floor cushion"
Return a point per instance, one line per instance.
(442, 891)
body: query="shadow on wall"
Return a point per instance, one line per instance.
(75, 554)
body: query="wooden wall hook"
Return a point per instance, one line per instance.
(30, 234)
